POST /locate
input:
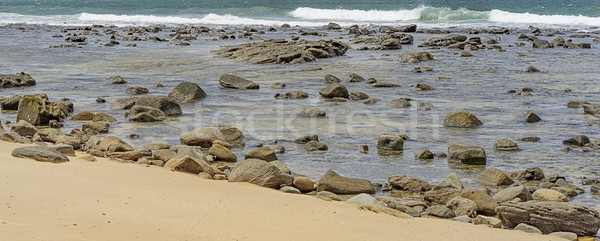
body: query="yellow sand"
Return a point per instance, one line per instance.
(106, 200)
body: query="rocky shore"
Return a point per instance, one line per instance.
(528, 199)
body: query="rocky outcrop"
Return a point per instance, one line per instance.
(40, 153)
(461, 119)
(187, 92)
(204, 136)
(470, 155)
(38, 111)
(16, 80)
(551, 217)
(282, 51)
(261, 173)
(337, 184)
(235, 82)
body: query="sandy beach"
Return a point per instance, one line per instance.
(108, 200)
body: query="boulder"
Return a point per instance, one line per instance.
(311, 112)
(140, 113)
(579, 140)
(453, 180)
(531, 117)
(506, 145)
(441, 211)
(164, 154)
(95, 127)
(315, 146)
(65, 149)
(16, 80)
(83, 116)
(14, 138)
(137, 90)
(462, 206)
(127, 155)
(469, 155)
(304, 184)
(124, 103)
(187, 92)
(358, 96)
(399, 102)
(292, 95)
(394, 203)
(410, 184)
(204, 136)
(494, 176)
(511, 193)
(114, 144)
(166, 104)
(24, 128)
(390, 142)
(40, 153)
(355, 78)
(262, 153)
(441, 194)
(424, 87)
(591, 109)
(423, 154)
(415, 57)
(330, 79)
(38, 111)
(334, 90)
(485, 204)
(362, 199)
(189, 163)
(541, 44)
(549, 195)
(222, 153)
(234, 82)
(335, 183)
(551, 217)
(116, 80)
(10, 103)
(261, 173)
(461, 119)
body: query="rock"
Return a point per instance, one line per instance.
(424, 87)
(116, 80)
(16, 80)
(334, 90)
(10, 103)
(40, 153)
(189, 163)
(137, 90)
(551, 217)
(371, 81)
(541, 44)
(489, 221)
(371, 101)
(100, 100)
(410, 184)
(527, 228)
(453, 180)
(311, 112)
(361, 199)
(164, 154)
(83, 116)
(355, 78)
(124, 103)
(328, 196)
(440, 195)
(469, 155)
(222, 153)
(422, 69)
(549, 195)
(65, 149)
(304, 184)
(506, 145)
(441, 211)
(315, 146)
(166, 104)
(511, 193)
(485, 204)
(187, 92)
(262, 153)
(394, 203)
(306, 139)
(531, 117)
(530, 139)
(531, 69)
(14, 138)
(140, 113)
(278, 149)
(358, 96)
(38, 111)
(412, 57)
(24, 128)
(494, 176)
(156, 146)
(579, 140)
(261, 173)
(292, 95)
(461, 119)
(566, 235)
(462, 219)
(390, 142)
(114, 144)
(591, 109)
(128, 155)
(277, 86)
(95, 127)
(88, 158)
(204, 136)
(291, 190)
(465, 54)
(576, 104)
(462, 206)
(534, 173)
(384, 210)
(335, 183)
(423, 154)
(330, 79)
(399, 102)
(384, 85)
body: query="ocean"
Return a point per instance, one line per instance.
(577, 14)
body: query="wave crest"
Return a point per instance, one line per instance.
(357, 15)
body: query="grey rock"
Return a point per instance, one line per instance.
(166, 104)
(292, 95)
(579, 140)
(361, 199)
(24, 128)
(461, 119)
(328, 196)
(394, 203)
(463, 219)
(399, 102)
(566, 235)
(311, 112)
(330, 79)
(423, 154)
(140, 113)
(306, 139)
(291, 190)
(494, 176)
(462, 206)
(187, 92)
(116, 80)
(10, 103)
(355, 78)
(235, 82)
(390, 142)
(511, 193)
(95, 127)
(531, 117)
(114, 144)
(469, 155)
(315, 146)
(358, 96)
(415, 57)
(441, 211)
(204, 136)
(16, 80)
(485, 204)
(334, 90)
(531, 69)
(335, 183)
(137, 90)
(408, 183)
(541, 44)
(40, 153)
(506, 145)
(14, 138)
(261, 173)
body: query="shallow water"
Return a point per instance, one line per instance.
(79, 74)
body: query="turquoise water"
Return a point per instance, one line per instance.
(432, 13)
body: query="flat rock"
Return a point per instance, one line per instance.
(261, 173)
(485, 204)
(441, 211)
(262, 153)
(494, 176)
(506, 145)
(511, 193)
(335, 183)
(328, 196)
(410, 184)
(235, 82)
(315, 146)
(469, 155)
(549, 195)
(204, 136)
(40, 153)
(116, 80)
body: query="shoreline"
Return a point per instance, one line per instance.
(107, 200)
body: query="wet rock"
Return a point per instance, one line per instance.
(384, 85)
(576, 104)
(166, 104)
(328, 196)
(24, 128)
(262, 153)
(441, 211)
(306, 139)
(579, 140)
(278, 149)
(40, 153)
(292, 95)
(140, 113)
(235, 82)
(204, 136)
(311, 112)
(422, 69)
(114, 144)
(355, 78)
(399, 102)
(470, 155)
(534, 173)
(277, 86)
(531, 69)
(494, 176)
(541, 44)
(304, 184)
(116, 80)
(424, 87)
(423, 154)
(222, 153)
(335, 183)
(95, 127)
(358, 96)
(187, 92)
(16, 80)
(461, 119)
(10, 103)
(334, 90)
(531, 117)
(189, 163)
(315, 146)
(485, 204)
(511, 193)
(38, 111)
(506, 145)
(551, 217)
(410, 184)
(530, 139)
(137, 90)
(549, 195)
(390, 142)
(261, 173)
(462, 206)
(83, 116)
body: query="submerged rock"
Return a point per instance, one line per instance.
(16, 80)
(470, 155)
(461, 119)
(415, 57)
(235, 82)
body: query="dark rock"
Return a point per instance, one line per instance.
(10, 103)
(358, 96)
(541, 44)
(423, 154)
(530, 139)
(531, 117)
(330, 79)
(292, 95)
(116, 80)
(591, 109)
(470, 155)
(415, 57)
(166, 104)
(440, 195)
(137, 90)
(234, 82)
(124, 103)
(410, 184)
(441, 211)
(114, 144)
(315, 146)
(306, 139)
(355, 78)
(531, 69)
(424, 87)
(261, 173)
(579, 140)
(334, 90)
(16, 80)
(337, 184)
(394, 203)
(40, 153)
(24, 128)
(399, 102)
(390, 142)
(461, 119)
(95, 127)
(140, 113)
(384, 85)
(189, 163)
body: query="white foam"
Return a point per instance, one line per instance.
(500, 16)
(357, 15)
